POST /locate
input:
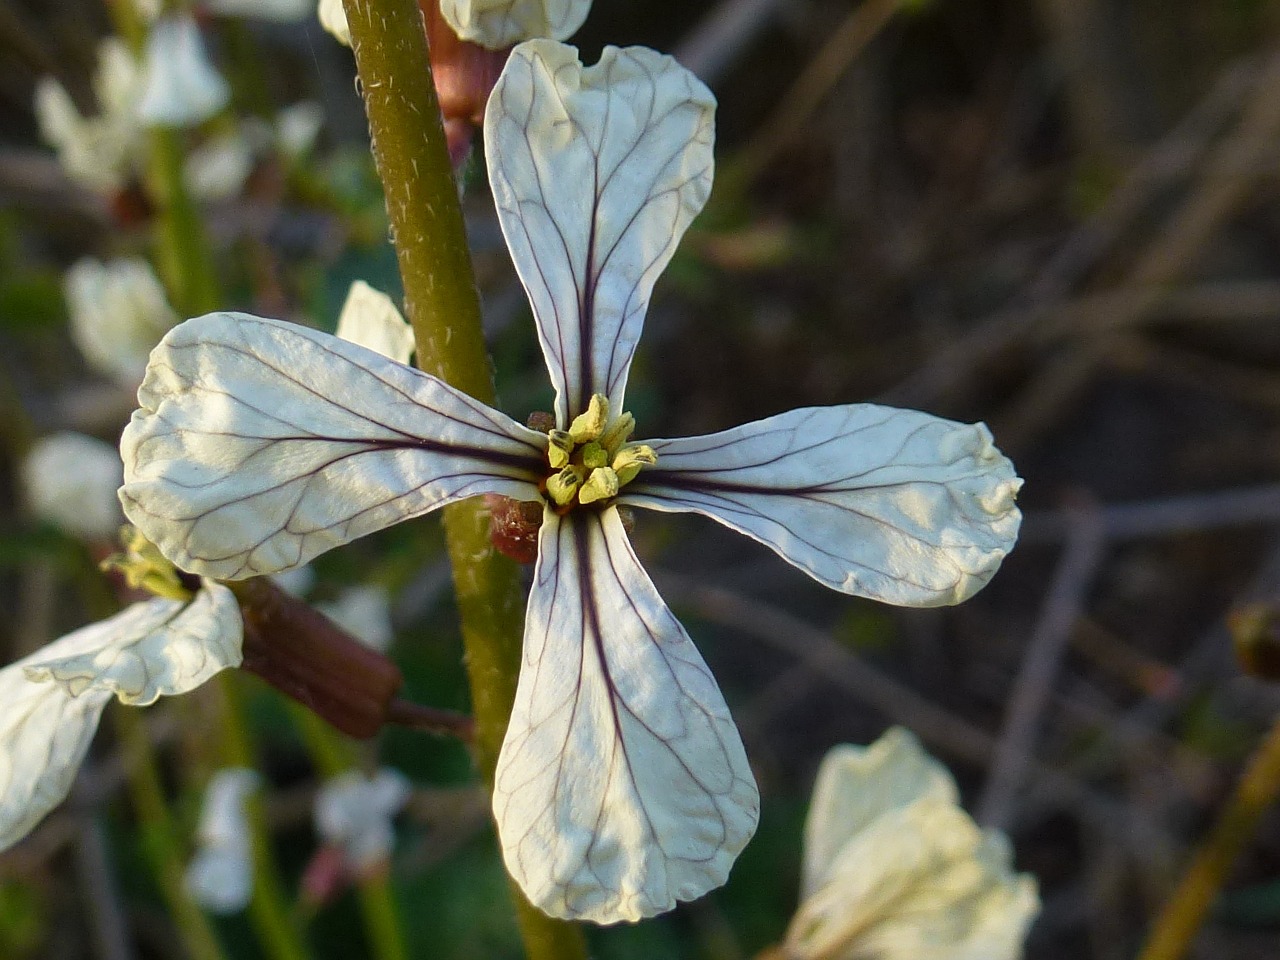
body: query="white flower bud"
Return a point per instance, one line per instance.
(70, 480)
(118, 312)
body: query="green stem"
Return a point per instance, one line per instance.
(389, 41)
(182, 248)
(333, 755)
(160, 845)
(276, 925)
(1176, 927)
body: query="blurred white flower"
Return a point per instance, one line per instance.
(354, 813)
(54, 698)
(118, 312)
(297, 127)
(895, 870)
(220, 875)
(218, 168)
(365, 613)
(180, 86)
(497, 24)
(98, 152)
(70, 480)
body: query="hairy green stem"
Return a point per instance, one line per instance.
(1176, 927)
(389, 41)
(160, 843)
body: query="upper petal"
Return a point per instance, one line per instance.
(260, 444)
(596, 173)
(497, 24)
(622, 785)
(153, 649)
(181, 87)
(896, 505)
(370, 318)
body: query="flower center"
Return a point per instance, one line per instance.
(591, 461)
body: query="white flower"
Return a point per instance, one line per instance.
(622, 785)
(118, 312)
(895, 870)
(497, 24)
(297, 127)
(54, 698)
(354, 812)
(334, 20)
(70, 480)
(220, 875)
(97, 152)
(365, 613)
(219, 167)
(180, 87)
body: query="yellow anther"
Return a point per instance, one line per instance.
(563, 486)
(588, 426)
(630, 460)
(145, 567)
(602, 484)
(618, 433)
(594, 455)
(559, 447)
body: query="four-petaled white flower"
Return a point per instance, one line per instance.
(622, 785)
(895, 870)
(220, 875)
(54, 698)
(354, 813)
(180, 86)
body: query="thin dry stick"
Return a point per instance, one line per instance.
(796, 108)
(1062, 607)
(1176, 927)
(958, 361)
(941, 728)
(98, 887)
(722, 35)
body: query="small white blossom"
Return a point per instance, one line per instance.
(622, 785)
(218, 168)
(70, 480)
(118, 312)
(180, 87)
(297, 127)
(220, 875)
(497, 24)
(365, 613)
(102, 151)
(54, 698)
(895, 870)
(354, 813)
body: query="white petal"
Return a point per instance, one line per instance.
(297, 128)
(118, 81)
(70, 480)
(181, 88)
(498, 24)
(622, 785)
(370, 318)
(855, 785)
(45, 733)
(921, 882)
(223, 817)
(261, 444)
(596, 173)
(56, 114)
(220, 878)
(333, 17)
(891, 504)
(153, 649)
(218, 168)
